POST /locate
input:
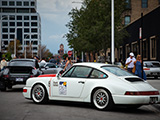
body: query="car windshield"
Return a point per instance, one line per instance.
(117, 71)
(152, 64)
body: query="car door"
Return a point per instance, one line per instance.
(72, 83)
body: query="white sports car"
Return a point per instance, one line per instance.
(102, 85)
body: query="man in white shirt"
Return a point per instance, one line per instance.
(130, 62)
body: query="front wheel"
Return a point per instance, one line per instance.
(102, 99)
(39, 94)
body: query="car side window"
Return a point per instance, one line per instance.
(97, 74)
(81, 72)
(68, 74)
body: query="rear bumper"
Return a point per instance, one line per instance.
(133, 100)
(27, 92)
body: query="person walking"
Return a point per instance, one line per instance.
(3, 64)
(68, 64)
(130, 62)
(138, 70)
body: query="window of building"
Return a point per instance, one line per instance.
(144, 3)
(4, 3)
(26, 17)
(34, 24)
(10, 10)
(128, 50)
(32, 3)
(26, 30)
(22, 10)
(34, 30)
(26, 3)
(35, 42)
(5, 36)
(5, 17)
(4, 23)
(34, 36)
(19, 23)
(128, 4)
(127, 20)
(12, 30)
(12, 23)
(5, 30)
(33, 10)
(153, 48)
(19, 17)
(19, 3)
(26, 36)
(145, 49)
(135, 48)
(12, 17)
(5, 42)
(33, 17)
(34, 48)
(26, 23)
(11, 3)
(12, 36)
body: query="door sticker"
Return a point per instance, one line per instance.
(63, 88)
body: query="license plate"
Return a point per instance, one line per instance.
(19, 79)
(153, 100)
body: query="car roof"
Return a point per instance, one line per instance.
(91, 64)
(22, 60)
(151, 61)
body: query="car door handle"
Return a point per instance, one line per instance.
(81, 82)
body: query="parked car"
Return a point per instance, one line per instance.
(51, 68)
(100, 84)
(18, 71)
(152, 68)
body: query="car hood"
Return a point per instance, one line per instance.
(138, 83)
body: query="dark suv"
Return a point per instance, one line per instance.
(18, 71)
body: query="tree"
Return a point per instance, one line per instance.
(44, 52)
(90, 26)
(10, 48)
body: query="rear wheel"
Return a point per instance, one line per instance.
(39, 94)
(102, 99)
(2, 86)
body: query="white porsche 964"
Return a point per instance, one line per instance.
(100, 84)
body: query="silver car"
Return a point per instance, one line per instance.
(152, 68)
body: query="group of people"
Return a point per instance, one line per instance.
(134, 65)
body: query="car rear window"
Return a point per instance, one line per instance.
(117, 71)
(21, 63)
(152, 64)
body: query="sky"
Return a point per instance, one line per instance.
(54, 17)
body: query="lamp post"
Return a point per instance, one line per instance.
(112, 40)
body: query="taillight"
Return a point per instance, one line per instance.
(5, 76)
(24, 90)
(142, 93)
(31, 76)
(146, 68)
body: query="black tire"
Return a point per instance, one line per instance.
(2, 86)
(156, 77)
(39, 94)
(102, 99)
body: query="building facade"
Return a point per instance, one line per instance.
(134, 8)
(149, 37)
(20, 20)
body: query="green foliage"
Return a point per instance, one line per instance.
(90, 26)
(65, 55)
(7, 56)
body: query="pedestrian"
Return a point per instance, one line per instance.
(130, 62)
(68, 64)
(43, 62)
(138, 70)
(52, 60)
(78, 59)
(3, 64)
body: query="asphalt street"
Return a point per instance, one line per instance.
(13, 106)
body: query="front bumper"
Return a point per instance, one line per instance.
(133, 100)
(27, 92)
